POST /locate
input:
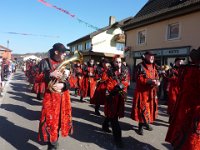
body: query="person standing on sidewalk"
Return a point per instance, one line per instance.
(145, 101)
(56, 107)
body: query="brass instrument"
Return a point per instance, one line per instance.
(77, 56)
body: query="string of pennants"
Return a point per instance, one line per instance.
(59, 9)
(68, 13)
(30, 34)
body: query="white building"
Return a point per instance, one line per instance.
(106, 42)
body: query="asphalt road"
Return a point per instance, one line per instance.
(19, 120)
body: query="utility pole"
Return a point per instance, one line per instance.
(8, 43)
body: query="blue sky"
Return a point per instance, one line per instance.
(33, 17)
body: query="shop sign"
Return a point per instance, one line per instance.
(139, 54)
(175, 51)
(165, 52)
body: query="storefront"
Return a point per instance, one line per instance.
(164, 56)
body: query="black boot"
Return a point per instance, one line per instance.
(105, 126)
(97, 113)
(148, 127)
(75, 92)
(140, 129)
(81, 99)
(97, 110)
(52, 146)
(40, 96)
(117, 132)
(106, 129)
(119, 144)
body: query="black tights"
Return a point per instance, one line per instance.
(116, 129)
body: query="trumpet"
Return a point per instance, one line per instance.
(77, 56)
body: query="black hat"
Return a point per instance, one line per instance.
(59, 47)
(195, 54)
(178, 58)
(149, 53)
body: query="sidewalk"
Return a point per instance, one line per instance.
(4, 86)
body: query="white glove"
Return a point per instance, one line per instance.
(66, 73)
(56, 73)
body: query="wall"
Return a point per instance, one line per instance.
(104, 42)
(156, 34)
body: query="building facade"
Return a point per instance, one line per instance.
(106, 42)
(5, 53)
(168, 28)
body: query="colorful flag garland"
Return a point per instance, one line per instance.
(30, 34)
(68, 13)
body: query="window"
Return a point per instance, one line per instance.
(80, 47)
(73, 48)
(141, 37)
(120, 46)
(173, 31)
(88, 45)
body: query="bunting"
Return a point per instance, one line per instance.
(30, 34)
(68, 13)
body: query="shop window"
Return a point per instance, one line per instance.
(173, 31)
(141, 37)
(120, 46)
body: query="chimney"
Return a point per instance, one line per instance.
(111, 20)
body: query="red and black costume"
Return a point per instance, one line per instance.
(31, 73)
(88, 84)
(116, 89)
(35, 69)
(145, 101)
(40, 79)
(79, 78)
(184, 129)
(173, 89)
(72, 78)
(56, 110)
(101, 84)
(28, 70)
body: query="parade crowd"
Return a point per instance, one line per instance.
(7, 67)
(106, 82)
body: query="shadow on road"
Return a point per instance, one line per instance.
(18, 76)
(159, 122)
(25, 98)
(17, 136)
(19, 87)
(22, 111)
(136, 145)
(168, 146)
(86, 131)
(86, 115)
